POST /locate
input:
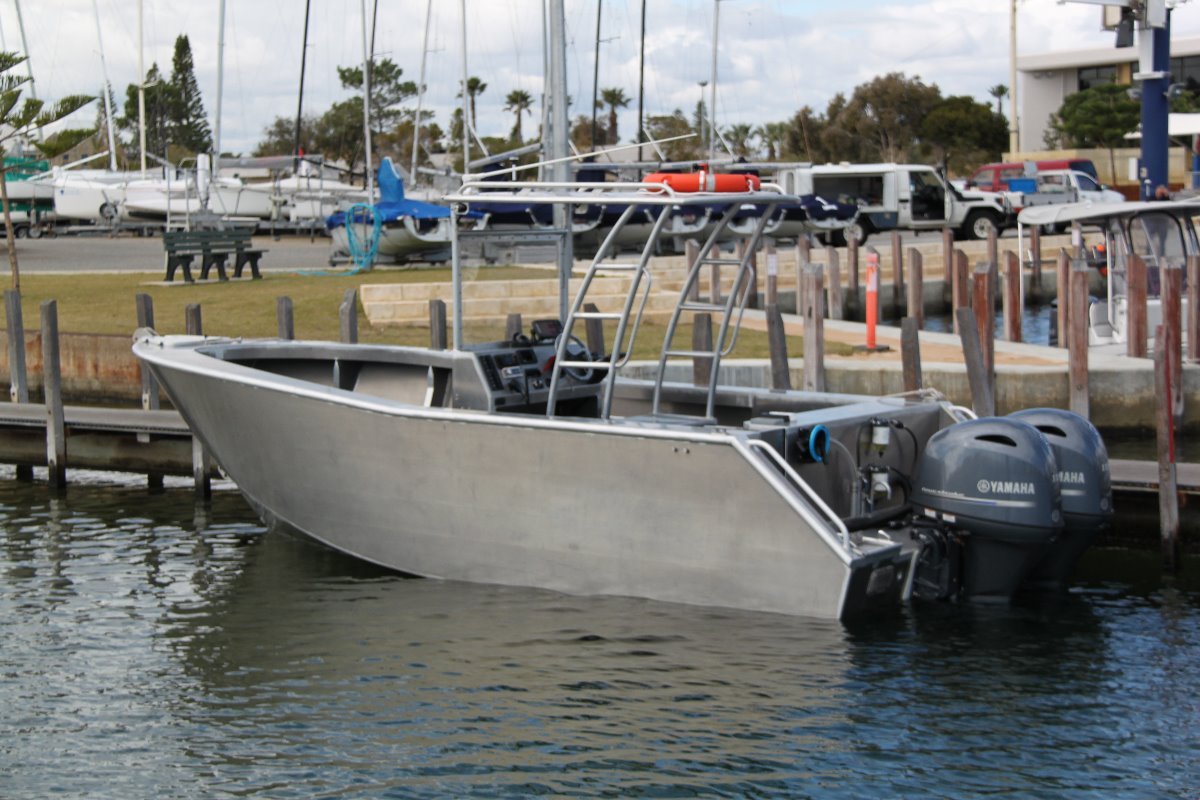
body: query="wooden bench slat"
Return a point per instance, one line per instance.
(214, 248)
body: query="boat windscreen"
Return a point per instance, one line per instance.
(1158, 238)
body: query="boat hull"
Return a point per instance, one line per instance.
(515, 500)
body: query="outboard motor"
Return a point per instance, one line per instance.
(1083, 473)
(996, 482)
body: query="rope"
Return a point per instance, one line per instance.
(362, 253)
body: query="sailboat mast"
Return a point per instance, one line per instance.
(641, 80)
(466, 110)
(141, 91)
(367, 106)
(25, 47)
(560, 171)
(112, 139)
(303, 60)
(220, 86)
(596, 73)
(712, 98)
(412, 173)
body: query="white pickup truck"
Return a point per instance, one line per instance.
(904, 196)
(1054, 186)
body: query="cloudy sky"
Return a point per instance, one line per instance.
(774, 56)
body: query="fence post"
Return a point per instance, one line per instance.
(1012, 296)
(751, 257)
(348, 317)
(285, 316)
(594, 330)
(437, 324)
(948, 265)
(852, 272)
(983, 400)
(56, 433)
(1135, 321)
(18, 388)
(916, 286)
(1172, 288)
(814, 331)
(691, 252)
(777, 342)
(1035, 262)
(910, 354)
(897, 273)
(960, 287)
(984, 306)
(1062, 280)
(1168, 495)
(1076, 337)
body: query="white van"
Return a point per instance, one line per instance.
(904, 196)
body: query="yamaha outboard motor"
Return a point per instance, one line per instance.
(995, 481)
(1086, 489)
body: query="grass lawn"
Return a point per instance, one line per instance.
(104, 303)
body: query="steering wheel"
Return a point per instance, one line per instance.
(576, 350)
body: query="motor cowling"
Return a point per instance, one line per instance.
(996, 481)
(1083, 473)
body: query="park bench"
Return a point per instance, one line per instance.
(214, 248)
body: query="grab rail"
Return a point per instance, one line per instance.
(747, 446)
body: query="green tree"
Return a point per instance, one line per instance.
(614, 98)
(159, 105)
(19, 119)
(280, 136)
(1097, 117)
(803, 135)
(999, 91)
(475, 87)
(665, 126)
(188, 122)
(388, 91)
(738, 135)
(882, 119)
(964, 132)
(519, 102)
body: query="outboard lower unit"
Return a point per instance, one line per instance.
(1083, 473)
(994, 482)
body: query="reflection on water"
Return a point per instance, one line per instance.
(151, 651)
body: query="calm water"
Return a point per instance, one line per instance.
(153, 651)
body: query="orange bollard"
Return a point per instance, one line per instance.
(872, 296)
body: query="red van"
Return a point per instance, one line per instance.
(995, 177)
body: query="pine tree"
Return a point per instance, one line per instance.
(189, 125)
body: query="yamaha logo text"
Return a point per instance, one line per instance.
(1005, 487)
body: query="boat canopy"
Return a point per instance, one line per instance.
(1098, 212)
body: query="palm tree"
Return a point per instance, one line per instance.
(738, 136)
(614, 98)
(475, 87)
(999, 91)
(519, 102)
(772, 134)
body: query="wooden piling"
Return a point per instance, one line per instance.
(1076, 336)
(916, 286)
(960, 288)
(814, 331)
(348, 317)
(285, 317)
(993, 247)
(983, 401)
(1135, 319)
(193, 322)
(150, 401)
(1172, 313)
(1168, 495)
(594, 329)
(948, 261)
(984, 305)
(897, 272)
(714, 277)
(513, 326)
(702, 342)
(1062, 280)
(1035, 262)
(1193, 308)
(438, 335)
(18, 388)
(852, 272)
(691, 252)
(837, 301)
(56, 432)
(1012, 297)
(777, 342)
(910, 353)
(201, 462)
(742, 247)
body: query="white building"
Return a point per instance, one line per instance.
(1046, 79)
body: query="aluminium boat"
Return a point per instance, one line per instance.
(531, 461)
